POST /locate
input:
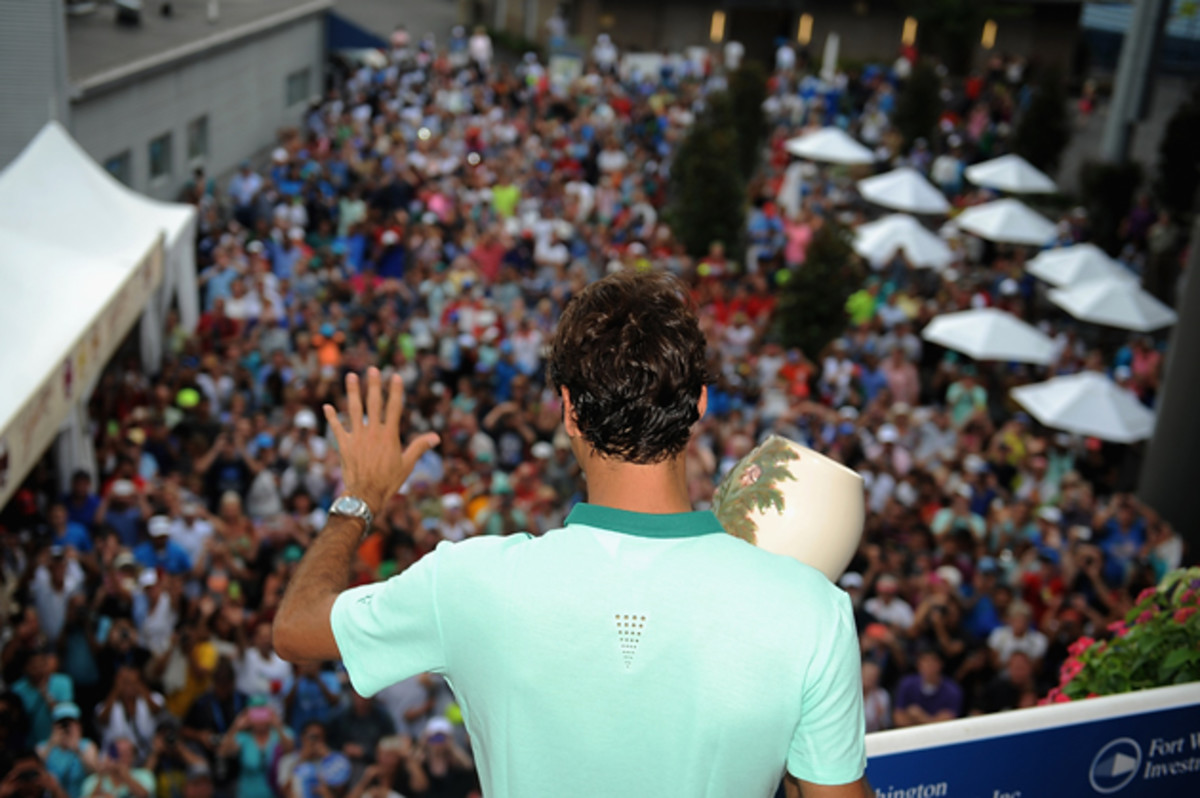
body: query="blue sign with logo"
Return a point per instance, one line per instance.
(1152, 754)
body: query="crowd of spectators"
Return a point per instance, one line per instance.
(431, 217)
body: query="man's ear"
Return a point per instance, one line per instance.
(569, 413)
(702, 406)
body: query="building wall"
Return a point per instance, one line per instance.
(33, 70)
(241, 88)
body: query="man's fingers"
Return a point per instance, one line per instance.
(354, 407)
(395, 402)
(416, 449)
(339, 432)
(374, 397)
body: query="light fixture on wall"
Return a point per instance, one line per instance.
(908, 37)
(716, 31)
(988, 40)
(804, 32)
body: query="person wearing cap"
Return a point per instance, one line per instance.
(69, 756)
(887, 607)
(644, 584)
(191, 529)
(124, 507)
(160, 551)
(1017, 635)
(454, 525)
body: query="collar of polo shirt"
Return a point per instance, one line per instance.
(646, 525)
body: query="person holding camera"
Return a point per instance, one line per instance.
(117, 775)
(69, 756)
(29, 778)
(255, 740)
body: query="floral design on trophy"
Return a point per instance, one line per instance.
(753, 485)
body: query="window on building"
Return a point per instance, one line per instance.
(160, 157)
(120, 166)
(197, 138)
(298, 88)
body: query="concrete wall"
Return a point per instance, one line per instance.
(33, 71)
(240, 87)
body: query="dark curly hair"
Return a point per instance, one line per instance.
(629, 350)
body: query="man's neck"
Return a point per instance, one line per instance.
(659, 488)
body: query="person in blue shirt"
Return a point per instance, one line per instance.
(124, 508)
(314, 697)
(160, 551)
(1124, 535)
(67, 533)
(81, 502)
(41, 690)
(69, 756)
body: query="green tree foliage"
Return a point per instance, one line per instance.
(1108, 191)
(747, 93)
(949, 29)
(707, 187)
(919, 104)
(1045, 128)
(1179, 158)
(812, 303)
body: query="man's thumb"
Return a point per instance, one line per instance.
(418, 447)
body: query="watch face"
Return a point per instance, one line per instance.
(348, 505)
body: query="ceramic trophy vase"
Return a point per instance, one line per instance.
(788, 499)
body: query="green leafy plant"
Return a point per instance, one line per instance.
(708, 192)
(1178, 161)
(812, 300)
(1108, 191)
(1045, 128)
(1157, 644)
(919, 104)
(753, 486)
(747, 93)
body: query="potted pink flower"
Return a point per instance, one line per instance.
(1157, 644)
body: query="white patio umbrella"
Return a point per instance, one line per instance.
(830, 145)
(1007, 221)
(1011, 173)
(1087, 403)
(990, 334)
(904, 189)
(1116, 303)
(879, 241)
(1080, 263)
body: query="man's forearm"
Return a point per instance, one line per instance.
(302, 630)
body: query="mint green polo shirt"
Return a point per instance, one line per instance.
(624, 655)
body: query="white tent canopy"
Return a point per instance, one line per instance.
(1087, 403)
(904, 189)
(82, 257)
(990, 334)
(832, 145)
(1079, 263)
(1007, 221)
(879, 241)
(1011, 173)
(1116, 303)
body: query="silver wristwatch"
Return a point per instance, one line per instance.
(353, 507)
